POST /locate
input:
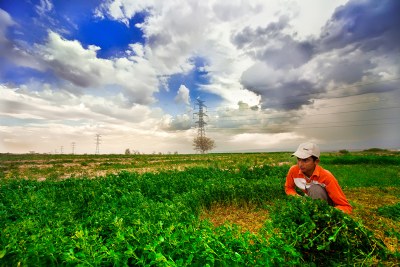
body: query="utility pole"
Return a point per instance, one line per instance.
(73, 148)
(200, 123)
(97, 144)
(202, 143)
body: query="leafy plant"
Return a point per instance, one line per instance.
(129, 219)
(322, 233)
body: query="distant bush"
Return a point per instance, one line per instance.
(375, 149)
(344, 151)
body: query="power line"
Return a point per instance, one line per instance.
(308, 127)
(262, 115)
(314, 125)
(325, 106)
(308, 115)
(273, 116)
(331, 122)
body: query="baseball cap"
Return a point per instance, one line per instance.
(306, 150)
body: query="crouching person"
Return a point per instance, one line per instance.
(314, 180)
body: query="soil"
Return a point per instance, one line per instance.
(365, 202)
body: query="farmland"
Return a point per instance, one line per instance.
(194, 210)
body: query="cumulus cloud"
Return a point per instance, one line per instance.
(183, 95)
(201, 31)
(177, 123)
(290, 74)
(273, 46)
(273, 76)
(72, 62)
(368, 25)
(279, 88)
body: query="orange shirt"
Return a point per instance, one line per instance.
(322, 177)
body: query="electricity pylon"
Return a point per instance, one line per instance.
(97, 144)
(201, 114)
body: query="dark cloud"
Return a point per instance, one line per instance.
(357, 44)
(258, 37)
(272, 46)
(290, 54)
(361, 32)
(160, 39)
(285, 95)
(368, 24)
(74, 75)
(347, 69)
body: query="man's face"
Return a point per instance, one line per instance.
(307, 165)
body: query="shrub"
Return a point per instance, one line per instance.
(324, 234)
(375, 149)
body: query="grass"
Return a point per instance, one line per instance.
(219, 209)
(35, 167)
(365, 175)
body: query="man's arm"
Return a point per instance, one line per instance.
(290, 187)
(336, 194)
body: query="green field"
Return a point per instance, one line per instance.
(162, 210)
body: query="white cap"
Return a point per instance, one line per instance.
(306, 150)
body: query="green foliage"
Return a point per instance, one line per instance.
(376, 149)
(349, 159)
(322, 233)
(391, 212)
(365, 175)
(130, 219)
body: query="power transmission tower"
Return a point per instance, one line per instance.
(200, 123)
(61, 149)
(97, 144)
(73, 148)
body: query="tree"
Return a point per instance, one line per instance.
(127, 151)
(203, 144)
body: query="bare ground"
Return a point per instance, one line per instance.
(365, 202)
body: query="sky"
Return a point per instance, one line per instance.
(271, 74)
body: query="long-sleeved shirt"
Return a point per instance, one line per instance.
(322, 177)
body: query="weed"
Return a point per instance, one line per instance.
(324, 234)
(153, 218)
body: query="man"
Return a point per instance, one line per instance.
(313, 180)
